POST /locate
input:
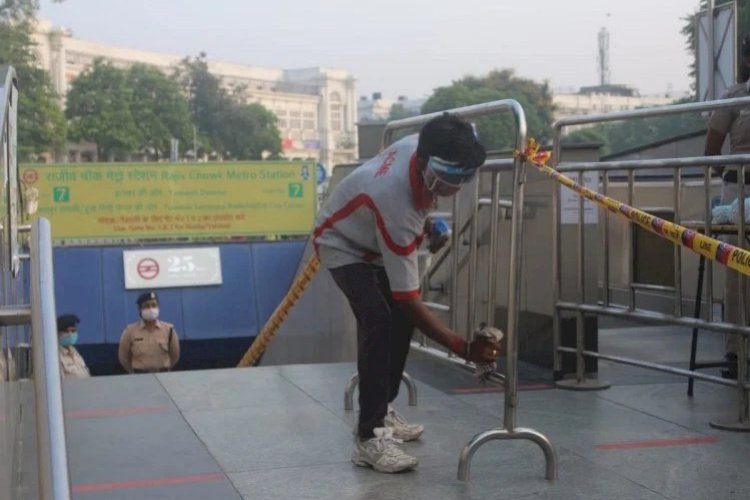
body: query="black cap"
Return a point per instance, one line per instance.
(65, 321)
(144, 297)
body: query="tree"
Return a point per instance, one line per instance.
(227, 125)
(398, 112)
(159, 110)
(98, 108)
(251, 131)
(208, 102)
(41, 123)
(42, 127)
(617, 137)
(498, 132)
(688, 29)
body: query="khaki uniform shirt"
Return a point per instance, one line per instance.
(72, 364)
(734, 121)
(149, 348)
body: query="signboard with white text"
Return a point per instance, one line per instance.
(168, 268)
(570, 201)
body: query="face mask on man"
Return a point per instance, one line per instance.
(68, 339)
(150, 314)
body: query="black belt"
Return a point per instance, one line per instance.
(138, 370)
(731, 176)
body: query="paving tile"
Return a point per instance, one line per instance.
(272, 435)
(230, 388)
(515, 479)
(118, 391)
(215, 490)
(127, 448)
(328, 382)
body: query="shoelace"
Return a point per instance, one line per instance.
(387, 444)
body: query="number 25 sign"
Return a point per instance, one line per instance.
(175, 267)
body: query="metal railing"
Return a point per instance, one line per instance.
(630, 310)
(41, 374)
(509, 430)
(54, 480)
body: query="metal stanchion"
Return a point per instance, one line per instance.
(742, 421)
(509, 430)
(407, 379)
(581, 383)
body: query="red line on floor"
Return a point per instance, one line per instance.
(475, 390)
(146, 483)
(657, 443)
(496, 388)
(115, 412)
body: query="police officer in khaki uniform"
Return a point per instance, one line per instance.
(734, 122)
(72, 364)
(149, 345)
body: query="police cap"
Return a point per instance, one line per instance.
(146, 296)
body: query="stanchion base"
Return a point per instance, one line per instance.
(590, 384)
(731, 424)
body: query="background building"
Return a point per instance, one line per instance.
(603, 99)
(378, 108)
(316, 107)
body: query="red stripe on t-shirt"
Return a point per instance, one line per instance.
(364, 200)
(411, 295)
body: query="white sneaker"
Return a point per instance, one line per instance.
(401, 428)
(382, 453)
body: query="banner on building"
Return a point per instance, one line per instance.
(100, 203)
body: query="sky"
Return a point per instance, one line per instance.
(405, 47)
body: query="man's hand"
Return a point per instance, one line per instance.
(483, 350)
(438, 234)
(436, 243)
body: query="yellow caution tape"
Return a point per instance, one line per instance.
(723, 253)
(266, 335)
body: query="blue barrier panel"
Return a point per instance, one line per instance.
(216, 323)
(89, 282)
(275, 267)
(229, 309)
(79, 290)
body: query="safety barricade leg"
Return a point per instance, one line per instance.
(411, 386)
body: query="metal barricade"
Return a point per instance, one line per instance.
(509, 430)
(411, 386)
(631, 311)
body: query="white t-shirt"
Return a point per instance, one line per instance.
(377, 215)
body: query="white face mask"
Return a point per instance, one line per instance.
(150, 314)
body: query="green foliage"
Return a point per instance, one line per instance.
(18, 11)
(498, 132)
(41, 120)
(227, 125)
(159, 110)
(618, 137)
(398, 112)
(41, 123)
(125, 111)
(99, 102)
(250, 130)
